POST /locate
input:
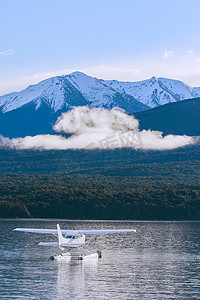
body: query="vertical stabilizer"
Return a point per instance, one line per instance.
(61, 239)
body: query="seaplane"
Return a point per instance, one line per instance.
(70, 239)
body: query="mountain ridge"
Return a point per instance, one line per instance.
(35, 109)
(156, 91)
(68, 91)
(177, 118)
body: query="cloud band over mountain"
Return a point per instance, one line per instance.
(99, 128)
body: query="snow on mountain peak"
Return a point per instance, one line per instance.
(91, 88)
(153, 79)
(48, 90)
(155, 91)
(67, 91)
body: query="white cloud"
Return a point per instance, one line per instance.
(168, 54)
(190, 52)
(99, 128)
(7, 52)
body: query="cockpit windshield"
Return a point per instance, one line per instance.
(70, 237)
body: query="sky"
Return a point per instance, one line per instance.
(126, 40)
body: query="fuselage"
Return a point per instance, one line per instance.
(73, 240)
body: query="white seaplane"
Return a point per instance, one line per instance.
(71, 239)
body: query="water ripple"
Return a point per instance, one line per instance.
(160, 261)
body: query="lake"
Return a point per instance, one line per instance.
(160, 261)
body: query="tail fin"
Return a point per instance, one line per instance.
(61, 239)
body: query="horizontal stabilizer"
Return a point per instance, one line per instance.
(71, 245)
(52, 244)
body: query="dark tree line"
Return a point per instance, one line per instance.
(82, 197)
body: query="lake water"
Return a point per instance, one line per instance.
(160, 261)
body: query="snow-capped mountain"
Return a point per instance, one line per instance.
(53, 92)
(155, 91)
(35, 109)
(66, 92)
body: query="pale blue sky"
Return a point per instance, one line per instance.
(121, 39)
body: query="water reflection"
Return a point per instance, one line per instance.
(73, 277)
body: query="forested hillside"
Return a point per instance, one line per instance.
(180, 165)
(119, 184)
(182, 117)
(83, 197)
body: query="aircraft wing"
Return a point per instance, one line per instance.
(35, 230)
(73, 232)
(105, 231)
